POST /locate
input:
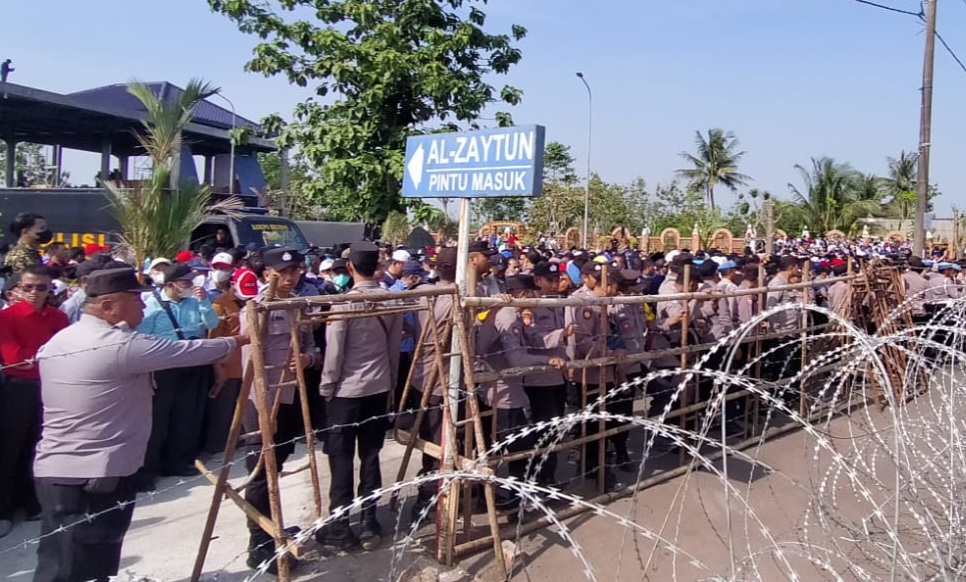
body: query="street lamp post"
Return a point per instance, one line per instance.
(590, 133)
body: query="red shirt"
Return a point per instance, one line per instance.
(22, 331)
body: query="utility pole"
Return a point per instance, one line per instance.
(925, 130)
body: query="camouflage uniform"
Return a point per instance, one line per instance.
(21, 256)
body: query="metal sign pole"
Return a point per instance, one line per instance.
(462, 264)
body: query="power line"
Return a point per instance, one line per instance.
(951, 52)
(892, 9)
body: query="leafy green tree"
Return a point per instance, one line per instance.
(429, 216)
(31, 164)
(394, 68)
(834, 196)
(159, 215)
(299, 201)
(396, 228)
(716, 163)
(499, 208)
(558, 163)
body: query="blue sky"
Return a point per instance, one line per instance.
(792, 78)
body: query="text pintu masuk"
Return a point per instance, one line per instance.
(494, 162)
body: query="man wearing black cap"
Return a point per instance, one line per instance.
(587, 343)
(425, 368)
(361, 363)
(179, 311)
(285, 266)
(97, 394)
(507, 348)
(480, 257)
(546, 334)
(74, 306)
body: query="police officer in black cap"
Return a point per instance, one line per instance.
(283, 264)
(361, 364)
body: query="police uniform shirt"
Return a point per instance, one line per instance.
(725, 320)
(424, 366)
(915, 285)
(543, 330)
(97, 402)
(276, 350)
(510, 351)
(746, 305)
(585, 343)
(362, 355)
(838, 298)
(788, 320)
(630, 322)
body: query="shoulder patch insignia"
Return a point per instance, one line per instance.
(588, 313)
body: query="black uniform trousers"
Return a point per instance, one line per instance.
(21, 415)
(593, 427)
(546, 403)
(622, 404)
(177, 417)
(355, 424)
(508, 422)
(84, 550)
(218, 416)
(288, 427)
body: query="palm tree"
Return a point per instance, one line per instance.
(716, 163)
(834, 197)
(901, 185)
(158, 216)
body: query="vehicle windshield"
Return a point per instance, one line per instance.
(268, 233)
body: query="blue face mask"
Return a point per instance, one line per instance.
(341, 281)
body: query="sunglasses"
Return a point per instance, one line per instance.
(39, 287)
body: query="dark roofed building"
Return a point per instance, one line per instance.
(104, 120)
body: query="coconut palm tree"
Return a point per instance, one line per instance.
(901, 186)
(834, 196)
(158, 216)
(716, 163)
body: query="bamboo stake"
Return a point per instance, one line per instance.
(221, 484)
(295, 326)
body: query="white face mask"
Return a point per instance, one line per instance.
(198, 281)
(220, 276)
(157, 277)
(185, 293)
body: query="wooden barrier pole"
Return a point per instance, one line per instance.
(602, 388)
(257, 327)
(296, 327)
(685, 328)
(221, 484)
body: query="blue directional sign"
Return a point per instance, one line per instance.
(494, 162)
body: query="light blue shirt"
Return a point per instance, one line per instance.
(194, 317)
(74, 306)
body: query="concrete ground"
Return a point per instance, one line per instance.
(772, 514)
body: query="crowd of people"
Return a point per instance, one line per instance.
(110, 383)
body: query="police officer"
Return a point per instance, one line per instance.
(285, 265)
(509, 350)
(361, 363)
(586, 343)
(546, 334)
(628, 321)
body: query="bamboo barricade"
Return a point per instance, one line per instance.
(255, 378)
(472, 453)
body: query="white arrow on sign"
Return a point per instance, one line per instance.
(415, 166)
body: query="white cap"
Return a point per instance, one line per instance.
(222, 259)
(401, 256)
(326, 265)
(670, 255)
(58, 287)
(158, 261)
(719, 260)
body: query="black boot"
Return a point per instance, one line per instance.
(338, 536)
(261, 548)
(370, 536)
